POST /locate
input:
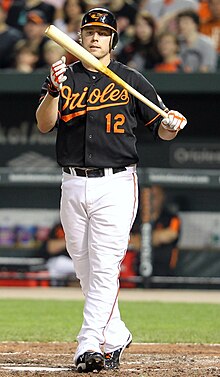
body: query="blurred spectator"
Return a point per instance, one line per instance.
(70, 21)
(125, 10)
(17, 13)
(6, 4)
(142, 52)
(56, 3)
(52, 52)
(204, 11)
(125, 13)
(166, 228)
(34, 31)
(9, 36)
(165, 11)
(53, 250)
(168, 46)
(159, 8)
(26, 57)
(89, 4)
(211, 26)
(197, 50)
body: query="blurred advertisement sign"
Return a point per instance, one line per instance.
(195, 155)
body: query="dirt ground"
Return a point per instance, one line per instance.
(143, 360)
(72, 293)
(150, 360)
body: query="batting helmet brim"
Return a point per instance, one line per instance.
(99, 24)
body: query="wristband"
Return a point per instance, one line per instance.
(53, 91)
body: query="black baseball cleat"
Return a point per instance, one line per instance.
(112, 359)
(90, 361)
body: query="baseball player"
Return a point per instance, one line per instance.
(96, 148)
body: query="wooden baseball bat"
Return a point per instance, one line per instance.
(82, 54)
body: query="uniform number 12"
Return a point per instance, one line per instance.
(115, 123)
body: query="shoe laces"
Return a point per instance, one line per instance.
(109, 355)
(113, 355)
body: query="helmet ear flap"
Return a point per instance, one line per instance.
(114, 40)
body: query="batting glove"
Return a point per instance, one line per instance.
(174, 122)
(57, 76)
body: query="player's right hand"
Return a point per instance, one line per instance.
(57, 73)
(174, 122)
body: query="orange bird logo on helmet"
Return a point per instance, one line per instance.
(96, 16)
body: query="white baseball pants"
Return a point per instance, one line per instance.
(97, 215)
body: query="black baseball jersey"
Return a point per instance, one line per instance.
(97, 117)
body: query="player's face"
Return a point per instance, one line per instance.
(97, 40)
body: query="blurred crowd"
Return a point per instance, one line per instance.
(157, 35)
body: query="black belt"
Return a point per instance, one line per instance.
(92, 173)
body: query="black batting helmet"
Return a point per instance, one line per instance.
(101, 17)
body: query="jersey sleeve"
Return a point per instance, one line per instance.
(146, 115)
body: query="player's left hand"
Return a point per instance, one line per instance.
(174, 122)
